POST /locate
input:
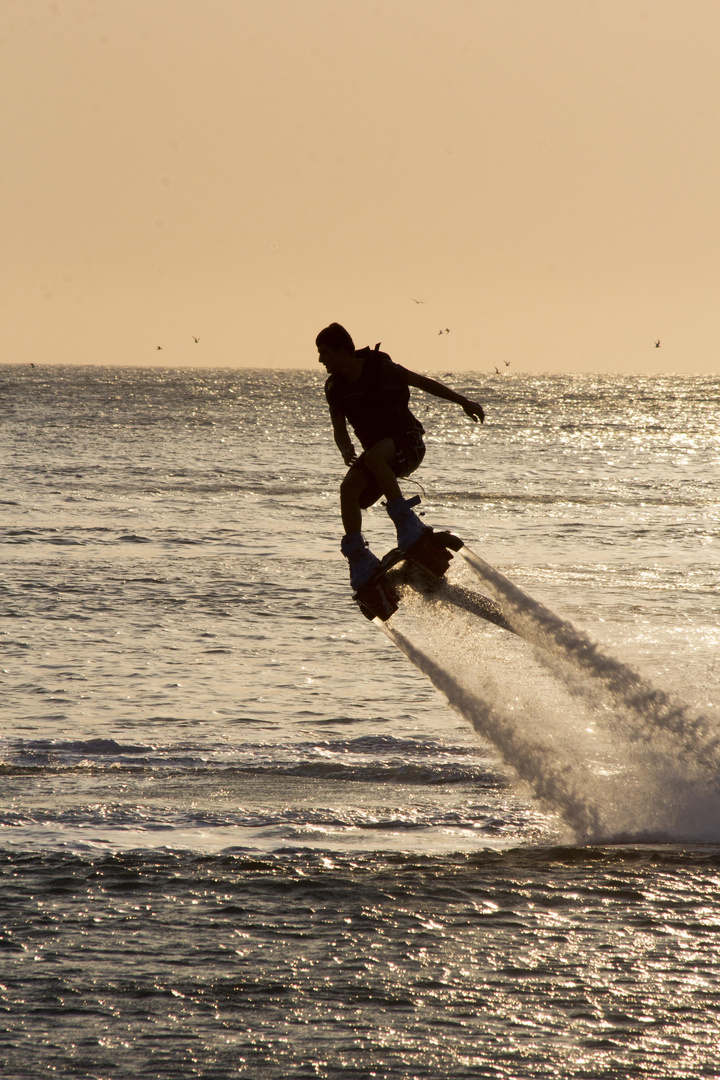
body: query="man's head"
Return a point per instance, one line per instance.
(335, 347)
(335, 337)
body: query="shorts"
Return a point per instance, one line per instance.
(409, 452)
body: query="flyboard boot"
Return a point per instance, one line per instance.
(409, 526)
(418, 542)
(372, 591)
(363, 564)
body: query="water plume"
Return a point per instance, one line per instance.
(616, 758)
(648, 711)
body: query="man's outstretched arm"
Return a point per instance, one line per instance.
(437, 389)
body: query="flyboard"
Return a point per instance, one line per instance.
(431, 554)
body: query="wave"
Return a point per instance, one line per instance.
(367, 759)
(617, 870)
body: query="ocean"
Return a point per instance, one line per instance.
(245, 832)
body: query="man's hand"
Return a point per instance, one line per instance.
(473, 410)
(349, 456)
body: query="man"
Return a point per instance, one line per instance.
(367, 390)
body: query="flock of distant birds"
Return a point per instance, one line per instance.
(440, 332)
(445, 331)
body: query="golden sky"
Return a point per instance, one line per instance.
(544, 175)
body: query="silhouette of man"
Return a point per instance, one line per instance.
(367, 390)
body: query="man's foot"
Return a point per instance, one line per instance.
(363, 563)
(409, 526)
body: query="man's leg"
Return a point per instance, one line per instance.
(351, 489)
(353, 546)
(378, 459)
(409, 526)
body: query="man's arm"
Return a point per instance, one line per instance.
(437, 389)
(342, 438)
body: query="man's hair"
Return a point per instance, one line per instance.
(335, 336)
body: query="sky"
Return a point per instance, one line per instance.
(528, 184)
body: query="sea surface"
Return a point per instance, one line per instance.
(245, 832)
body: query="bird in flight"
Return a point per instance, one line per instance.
(195, 339)
(497, 372)
(159, 346)
(416, 301)
(507, 363)
(657, 343)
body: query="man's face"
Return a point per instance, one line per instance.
(333, 359)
